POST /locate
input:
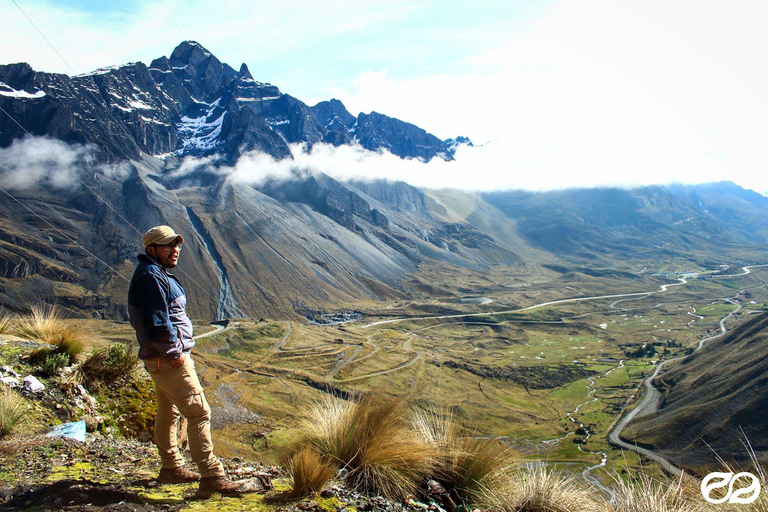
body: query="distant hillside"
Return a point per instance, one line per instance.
(646, 222)
(709, 398)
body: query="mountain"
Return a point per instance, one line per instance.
(712, 400)
(128, 147)
(376, 131)
(188, 104)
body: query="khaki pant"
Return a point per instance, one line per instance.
(179, 392)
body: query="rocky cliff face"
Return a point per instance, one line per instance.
(188, 104)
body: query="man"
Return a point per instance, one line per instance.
(157, 308)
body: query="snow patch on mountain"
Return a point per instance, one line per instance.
(201, 134)
(7, 90)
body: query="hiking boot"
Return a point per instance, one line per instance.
(217, 485)
(177, 476)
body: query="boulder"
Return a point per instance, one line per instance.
(32, 385)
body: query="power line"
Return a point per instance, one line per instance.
(104, 201)
(43, 35)
(174, 21)
(69, 170)
(60, 231)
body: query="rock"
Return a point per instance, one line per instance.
(8, 371)
(92, 423)
(32, 385)
(10, 381)
(260, 483)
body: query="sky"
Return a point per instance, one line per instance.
(554, 93)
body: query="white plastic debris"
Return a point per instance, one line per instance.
(74, 431)
(32, 385)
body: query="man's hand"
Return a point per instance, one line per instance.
(177, 363)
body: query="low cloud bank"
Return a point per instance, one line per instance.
(51, 163)
(491, 166)
(495, 165)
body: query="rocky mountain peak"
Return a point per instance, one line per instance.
(245, 72)
(190, 103)
(16, 76)
(190, 52)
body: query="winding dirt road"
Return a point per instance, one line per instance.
(653, 398)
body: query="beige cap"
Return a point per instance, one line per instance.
(161, 235)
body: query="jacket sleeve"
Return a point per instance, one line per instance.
(152, 297)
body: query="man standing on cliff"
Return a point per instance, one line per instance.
(157, 308)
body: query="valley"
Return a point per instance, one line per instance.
(549, 365)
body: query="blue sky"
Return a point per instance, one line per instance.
(564, 92)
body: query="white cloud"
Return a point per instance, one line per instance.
(191, 164)
(43, 161)
(254, 168)
(483, 168)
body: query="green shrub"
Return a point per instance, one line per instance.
(106, 365)
(53, 363)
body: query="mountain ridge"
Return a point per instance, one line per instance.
(187, 104)
(153, 145)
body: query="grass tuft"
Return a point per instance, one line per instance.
(540, 489)
(309, 472)
(46, 324)
(644, 493)
(372, 442)
(13, 407)
(471, 465)
(6, 323)
(466, 465)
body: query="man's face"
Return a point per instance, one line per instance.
(166, 255)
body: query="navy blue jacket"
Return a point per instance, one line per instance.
(157, 307)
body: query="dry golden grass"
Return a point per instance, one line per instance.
(644, 493)
(309, 472)
(13, 407)
(6, 322)
(465, 466)
(540, 489)
(372, 442)
(46, 324)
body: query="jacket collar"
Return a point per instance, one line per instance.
(149, 260)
